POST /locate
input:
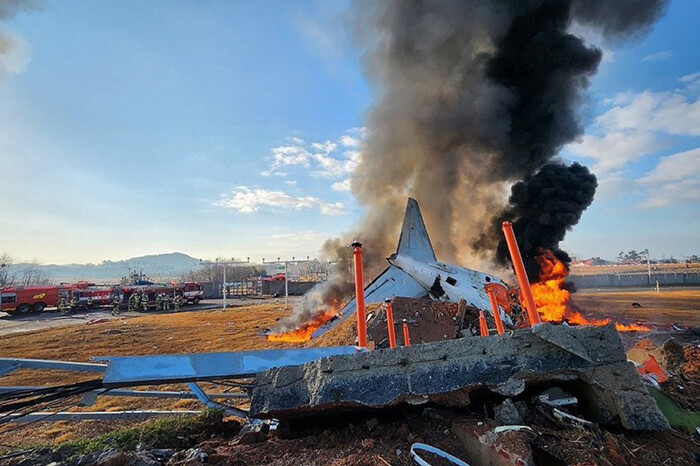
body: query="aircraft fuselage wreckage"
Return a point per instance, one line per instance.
(415, 272)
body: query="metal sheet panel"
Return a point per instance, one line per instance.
(7, 365)
(166, 368)
(392, 282)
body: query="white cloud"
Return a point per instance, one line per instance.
(290, 182)
(290, 155)
(248, 200)
(341, 185)
(349, 141)
(14, 54)
(689, 77)
(324, 147)
(668, 112)
(691, 81)
(320, 159)
(616, 149)
(675, 179)
(632, 128)
(675, 167)
(613, 185)
(330, 167)
(658, 56)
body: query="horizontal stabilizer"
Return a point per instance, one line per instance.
(392, 282)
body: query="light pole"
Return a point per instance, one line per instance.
(225, 264)
(648, 266)
(286, 274)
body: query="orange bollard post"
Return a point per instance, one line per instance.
(520, 273)
(496, 312)
(406, 336)
(359, 295)
(390, 324)
(482, 325)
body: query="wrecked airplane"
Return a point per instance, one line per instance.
(415, 272)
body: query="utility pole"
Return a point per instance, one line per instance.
(286, 263)
(225, 264)
(648, 266)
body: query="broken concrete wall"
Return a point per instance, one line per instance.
(446, 372)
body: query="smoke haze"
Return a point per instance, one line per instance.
(14, 51)
(474, 97)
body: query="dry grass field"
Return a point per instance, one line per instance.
(235, 329)
(632, 268)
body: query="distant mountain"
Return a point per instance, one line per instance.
(158, 267)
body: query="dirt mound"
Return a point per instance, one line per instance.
(427, 321)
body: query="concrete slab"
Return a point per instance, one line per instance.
(446, 372)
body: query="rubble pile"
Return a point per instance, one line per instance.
(446, 372)
(672, 372)
(428, 321)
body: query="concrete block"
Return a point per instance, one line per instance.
(446, 372)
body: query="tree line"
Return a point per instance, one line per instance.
(26, 274)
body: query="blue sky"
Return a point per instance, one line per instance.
(230, 129)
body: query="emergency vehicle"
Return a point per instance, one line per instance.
(93, 297)
(24, 299)
(192, 292)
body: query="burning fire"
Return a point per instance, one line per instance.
(304, 332)
(553, 300)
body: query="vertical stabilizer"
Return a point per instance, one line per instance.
(414, 240)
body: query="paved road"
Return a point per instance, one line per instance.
(49, 319)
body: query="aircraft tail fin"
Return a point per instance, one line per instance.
(414, 240)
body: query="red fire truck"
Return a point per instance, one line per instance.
(192, 292)
(23, 299)
(93, 297)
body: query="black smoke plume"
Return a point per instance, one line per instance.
(542, 208)
(474, 96)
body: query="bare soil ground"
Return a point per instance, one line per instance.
(631, 268)
(670, 305)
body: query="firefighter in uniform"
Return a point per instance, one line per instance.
(144, 302)
(159, 302)
(115, 306)
(132, 302)
(166, 302)
(74, 303)
(176, 302)
(63, 306)
(89, 302)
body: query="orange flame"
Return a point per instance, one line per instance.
(303, 333)
(553, 300)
